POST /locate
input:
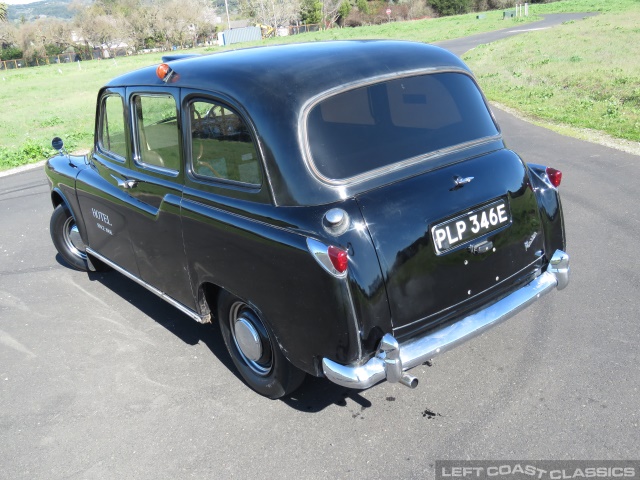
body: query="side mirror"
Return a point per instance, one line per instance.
(57, 143)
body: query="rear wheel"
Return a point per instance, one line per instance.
(254, 351)
(66, 238)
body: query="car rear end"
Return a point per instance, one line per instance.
(469, 237)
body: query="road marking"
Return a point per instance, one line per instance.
(8, 341)
(528, 30)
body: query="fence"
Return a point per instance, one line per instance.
(63, 58)
(296, 29)
(98, 53)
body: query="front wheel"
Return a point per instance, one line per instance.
(254, 350)
(66, 238)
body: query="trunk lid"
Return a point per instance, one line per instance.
(424, 227)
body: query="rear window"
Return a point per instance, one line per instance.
(371, 127)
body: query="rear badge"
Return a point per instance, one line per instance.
(460, 182)
(528, 243)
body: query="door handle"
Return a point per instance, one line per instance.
(126, 183)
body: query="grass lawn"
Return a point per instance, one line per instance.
(596, 74)
(585, 75)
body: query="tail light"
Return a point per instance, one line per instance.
(339, 258)
(555, 176)
(333, 259)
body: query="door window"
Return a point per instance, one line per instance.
(112, 138)
(221, 145)
(156, 130)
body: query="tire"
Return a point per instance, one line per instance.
(66, 238)
(260, 361)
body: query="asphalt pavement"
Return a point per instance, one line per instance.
(100, 379)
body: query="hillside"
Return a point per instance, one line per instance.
(61, 9)
(46, 8)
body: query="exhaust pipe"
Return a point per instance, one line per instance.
(409, 381)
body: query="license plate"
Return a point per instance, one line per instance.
(469, 226)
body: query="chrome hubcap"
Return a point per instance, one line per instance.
(72, 239)
(251, 339)
(248, 339)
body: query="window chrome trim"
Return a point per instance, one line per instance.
(219, 181)
(189, 95)
(100, 147)
(155, 168)
(303, 139)
(111, 155)
(135, 151)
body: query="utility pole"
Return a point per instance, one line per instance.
(226, 6)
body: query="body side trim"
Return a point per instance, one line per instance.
(184, 309)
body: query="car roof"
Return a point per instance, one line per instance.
(272, 85)
(298, 69)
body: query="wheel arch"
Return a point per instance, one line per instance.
(59, 198)
(268, 370)
(207, 298)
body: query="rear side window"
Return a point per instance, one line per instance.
(112, 134)
(378, 125)
(221, 145)
(157, 131)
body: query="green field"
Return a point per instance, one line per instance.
(592, 83)
(586, 75)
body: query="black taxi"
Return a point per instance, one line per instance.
(341, 209)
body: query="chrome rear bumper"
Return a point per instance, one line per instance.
(392, 359)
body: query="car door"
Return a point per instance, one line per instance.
(104, 203)
(155, 185)
(226, 201)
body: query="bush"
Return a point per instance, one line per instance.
(11, 53)
(344, 10)
(451, 7)
(52, 50)
(29, 152)
(363, 6)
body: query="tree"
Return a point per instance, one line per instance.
(8, 48)
(3, 12)
(105, 23)
(275, 13)
(45, 36)
(330, 11)
(311, 12)
(106, 30)
(186, 20)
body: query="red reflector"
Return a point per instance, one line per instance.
(339, 258)
(555, 176)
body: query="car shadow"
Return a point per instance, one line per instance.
(314, 395)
